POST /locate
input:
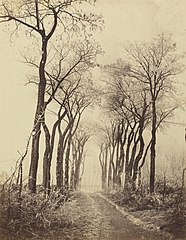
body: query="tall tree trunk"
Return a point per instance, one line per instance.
(128, 147)
(77, 170)
(127, 177)
(117, 177)
(140, 152)
(59, 163)
(72, 175)
(122, 161)
(105, 169)
(46, 168)
(40, 112)
(110, 175)
(67, 159)
(136, 162)
(153, 148)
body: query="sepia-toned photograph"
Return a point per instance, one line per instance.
(93, 119)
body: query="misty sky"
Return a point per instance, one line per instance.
(125, 21)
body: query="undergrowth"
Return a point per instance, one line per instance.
(31, 215)
(168, 199)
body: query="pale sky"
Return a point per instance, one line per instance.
(125, 21)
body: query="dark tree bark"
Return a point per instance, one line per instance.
(67, 159)
(153, 148)
(46, 169)
(59, 163)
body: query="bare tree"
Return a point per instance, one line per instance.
(41, 18)
(154, 65)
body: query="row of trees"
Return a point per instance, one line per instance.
(61, 34)
(140, 96)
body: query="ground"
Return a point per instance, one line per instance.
(91, 216)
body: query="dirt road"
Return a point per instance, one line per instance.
(118, 227)
(91, 217)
